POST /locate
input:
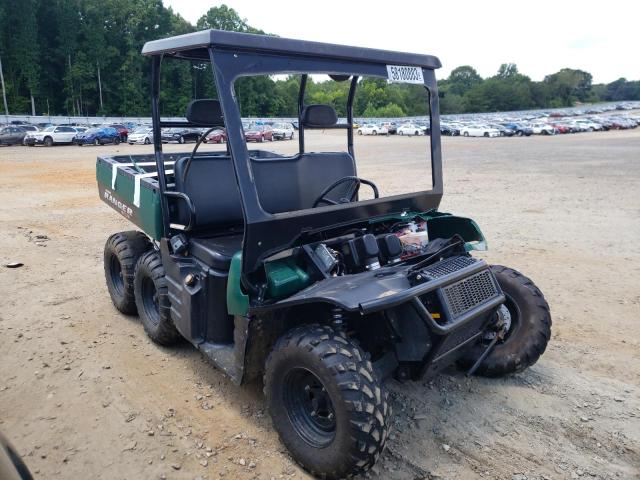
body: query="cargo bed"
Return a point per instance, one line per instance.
(129, 185)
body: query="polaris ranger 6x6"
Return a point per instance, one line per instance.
(295, 266)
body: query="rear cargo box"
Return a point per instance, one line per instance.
(129, 185)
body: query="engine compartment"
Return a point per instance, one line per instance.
(409, 239)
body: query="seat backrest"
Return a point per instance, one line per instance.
(283, 184)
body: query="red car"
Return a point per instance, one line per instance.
(217, 136)
(561, 127)
(122, 131)
(258, 133)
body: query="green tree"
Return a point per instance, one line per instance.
(569, 85)
(462, 79)
(225, 18)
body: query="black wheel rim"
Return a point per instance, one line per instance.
(516, 321)
(117, 279)
(150, 300)
(310, 408)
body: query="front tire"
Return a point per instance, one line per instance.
(326, 402)
(96, 142)
(529, 332)
(152, 299)
(121, 253)
(48, 142)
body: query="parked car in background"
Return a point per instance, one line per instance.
(51, 136)
(258, 133)
(410, 129)
(590, 125)
(392, 127)
(282, 131)
(141, 135)
(122, 131)
(543, 129)
(216, 136)
(449, 130)
(372, 129)
(521, 130)
(562, 127)
(504, 131)
(479, 131)
(97, 136)
(12, 135)
(180, 135)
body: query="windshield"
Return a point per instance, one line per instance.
(141, 130)
(394, 163)
(49, 129)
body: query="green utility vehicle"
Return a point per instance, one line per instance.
(296, 270)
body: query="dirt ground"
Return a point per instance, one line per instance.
(84, 394)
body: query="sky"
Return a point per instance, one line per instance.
(540, 36)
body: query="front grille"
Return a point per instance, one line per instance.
(469, 292)
(447, 266)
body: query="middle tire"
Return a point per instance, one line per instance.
(152, 299)
(326, 402)
(121, 253)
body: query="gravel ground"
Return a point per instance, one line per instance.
(84, 394)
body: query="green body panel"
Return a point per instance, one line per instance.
(285, 278)
(444, 225)
(237, 300)
(148, 216)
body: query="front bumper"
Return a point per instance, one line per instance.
(33, 141)
(83, 141)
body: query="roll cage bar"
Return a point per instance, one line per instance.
(234, 55)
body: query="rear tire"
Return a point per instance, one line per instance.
(116, 141)
(96, 142)
(326, 402)
(528, 335)
(152, 299)
(121, 253)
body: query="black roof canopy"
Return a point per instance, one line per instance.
(194, 46)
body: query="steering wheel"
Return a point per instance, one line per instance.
(350, 194)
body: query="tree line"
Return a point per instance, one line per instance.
(82, 57)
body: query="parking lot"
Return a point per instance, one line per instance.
(82, 389)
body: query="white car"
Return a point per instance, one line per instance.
(479, 131)
(410, 129)
(591, 126)
(542, 129)
(283, 131)
(372, 129)
(51, 136)
(141, 135)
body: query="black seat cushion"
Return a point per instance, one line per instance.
(283, 184)
(319, 116)
(217, 251)
(206, 112)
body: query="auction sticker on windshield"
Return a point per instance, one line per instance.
(402, 74)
